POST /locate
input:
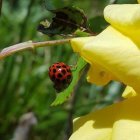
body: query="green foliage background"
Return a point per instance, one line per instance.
(25, 85)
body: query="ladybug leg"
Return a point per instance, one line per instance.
(73, 67)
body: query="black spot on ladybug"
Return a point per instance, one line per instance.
(58, 66)
(63, 71)
(54, 70)
(59, 75)
(64, 66)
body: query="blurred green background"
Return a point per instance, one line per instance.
(25, 85)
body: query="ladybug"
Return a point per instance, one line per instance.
(61, 75)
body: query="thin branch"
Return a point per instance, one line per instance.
(29, 45)
(51, 43)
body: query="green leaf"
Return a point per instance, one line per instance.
(97, 24)
(63, 96)
(66, 21)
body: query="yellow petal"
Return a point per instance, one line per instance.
(120, 121)
(126, 130)
(98, 75)
(87, 132)
(116, 54)
(78, 43)
(125, 18)
(138, 1)
(129, 92)
(130, 17)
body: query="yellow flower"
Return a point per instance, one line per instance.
(114, 54)
(120, 121)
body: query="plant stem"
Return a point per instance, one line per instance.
(29, 45)
(51, 43)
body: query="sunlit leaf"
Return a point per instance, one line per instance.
(63, 96)
(66, 21)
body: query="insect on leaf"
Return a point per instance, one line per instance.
(63, 96)
(66, 21)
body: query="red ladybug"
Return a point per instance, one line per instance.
(61, 75)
